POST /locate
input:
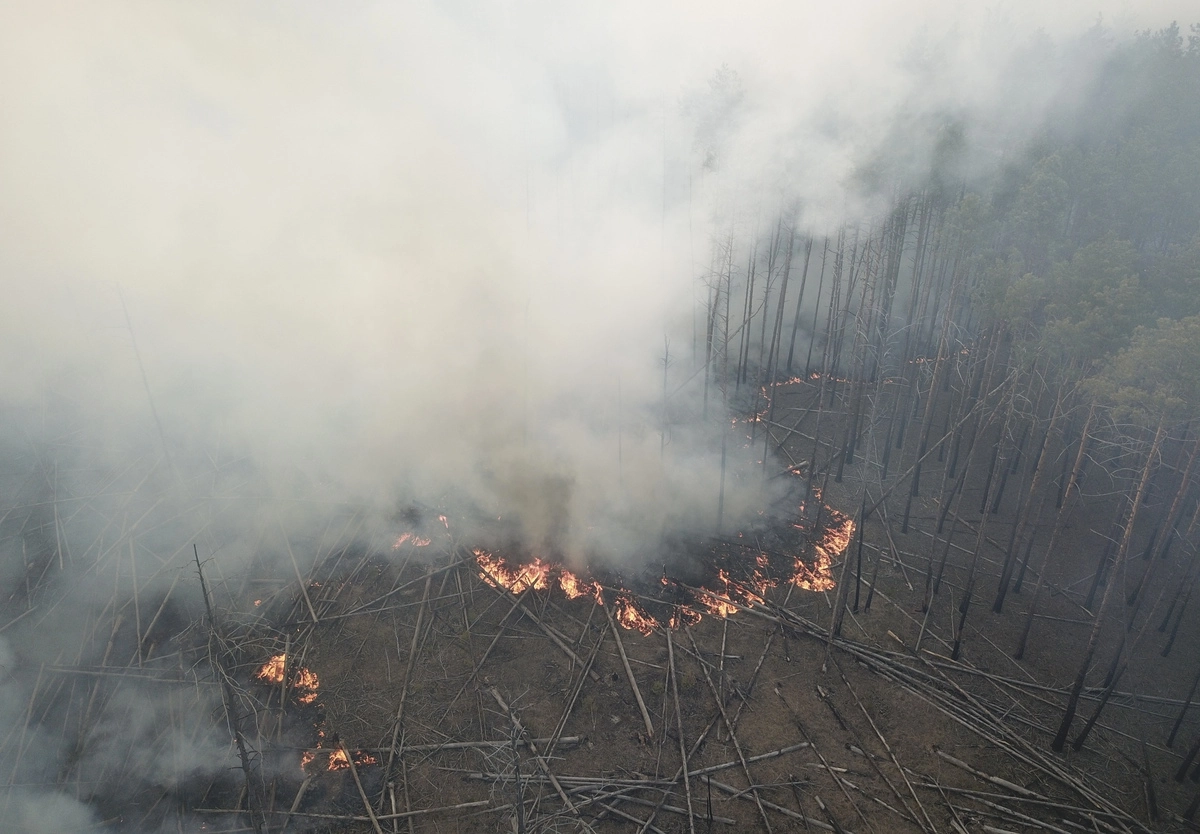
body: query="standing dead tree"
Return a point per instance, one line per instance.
(216, 658)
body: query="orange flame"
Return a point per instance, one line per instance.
(535, 574)
(716, 604)
(304, 681)
(687, 604)
(630, 615)
(338, 760)
(574, 587)
(413, 539)
(273, 670)
(683, 617)
(538, 575)
(837, 537)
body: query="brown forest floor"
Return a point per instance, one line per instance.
(882, 739)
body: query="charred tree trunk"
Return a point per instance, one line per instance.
(747, 313)
(939, 366)
(1059, 521)
(799, 304)
(772, 358)
(1188, 576)
(1026, 510)
(816, 310)
(1168, 523)
(1094, 637)
(216, 655)
(980, 540)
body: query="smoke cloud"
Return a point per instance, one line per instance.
(398, 252)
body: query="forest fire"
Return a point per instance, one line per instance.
(336, 758)
(766, 392)
(537, 575)
(340, 760)
(413, 539)
(304, 682)
(737, 576)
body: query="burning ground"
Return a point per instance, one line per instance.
(483, 680)
(705, 580)
(715, 576)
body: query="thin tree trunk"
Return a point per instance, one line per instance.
(1185, 484)
(1026, 510)
(1059, 521)
(1094, 638)
(799, 304)
(772, 358)
(980, 541)
(938, 369)
(816, 310)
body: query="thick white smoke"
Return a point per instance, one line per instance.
(410, 249)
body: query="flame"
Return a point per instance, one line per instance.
(535, 574)
(742, 582)
(337, 759)
(304, 681)
(631, 616)
(734, 595)
(765, 393)
(574, 587)
(306, 684)
(836, 538)
(413, 539)
(716, 604)
(684, 617)
(538, 575)
(273, 670)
